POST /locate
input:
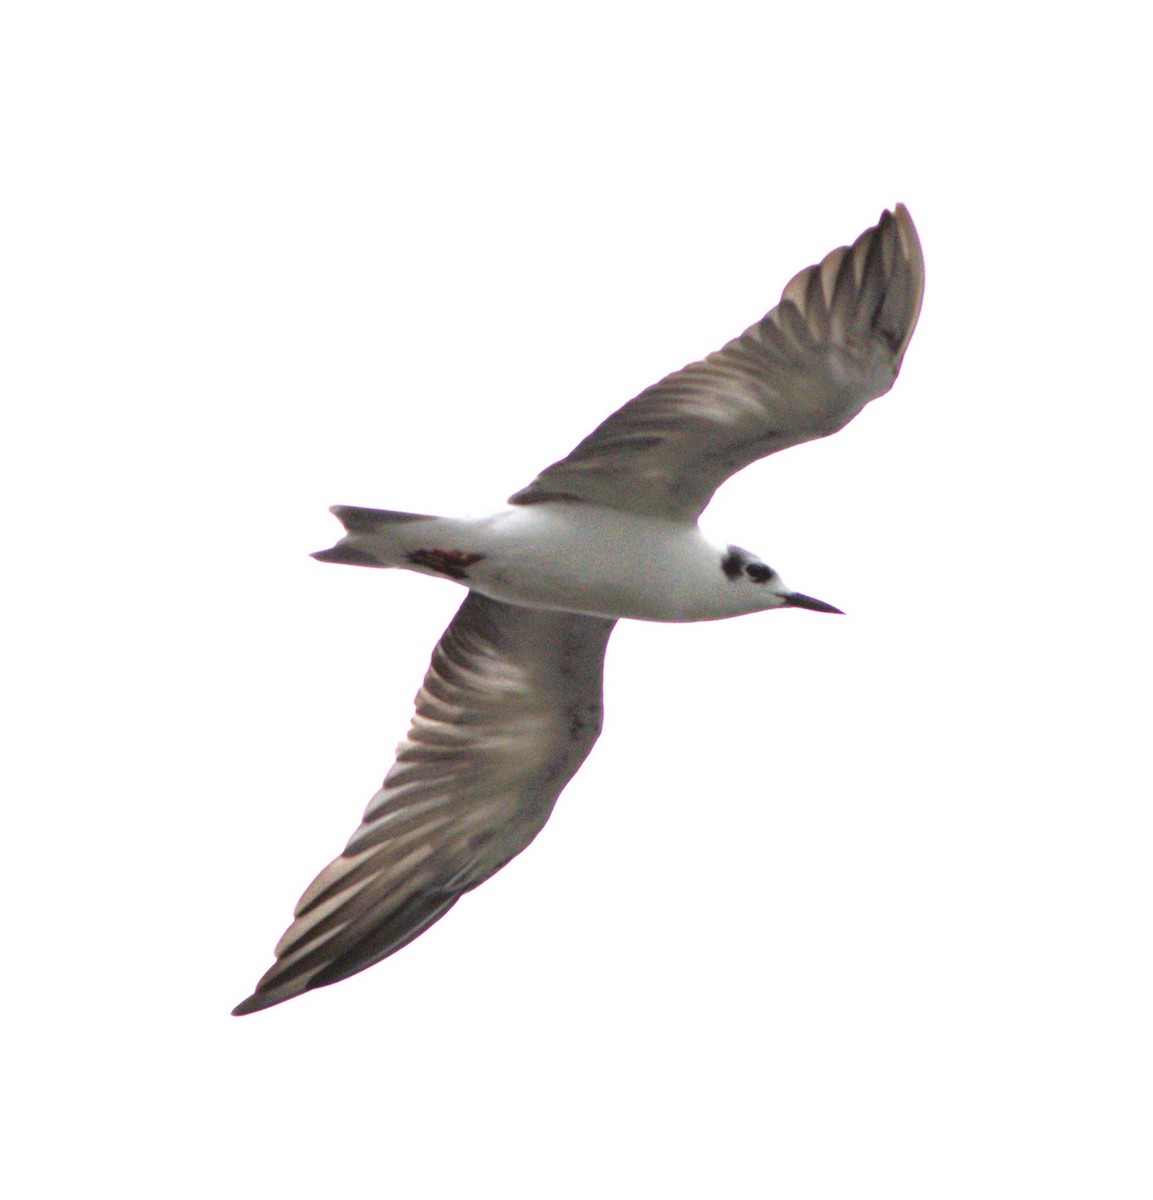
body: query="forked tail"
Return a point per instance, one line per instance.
(368, 541)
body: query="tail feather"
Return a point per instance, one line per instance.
(371, 537)
(350, 556)
(369, 520)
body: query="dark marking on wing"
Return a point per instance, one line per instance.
(446, 562)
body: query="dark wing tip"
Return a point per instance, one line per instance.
(256, 1002)
(912, 276)
(867, 292)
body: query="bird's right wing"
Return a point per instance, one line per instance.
(508, 711)
(833, 343)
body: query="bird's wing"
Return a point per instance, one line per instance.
(508, 711)
(833, 343)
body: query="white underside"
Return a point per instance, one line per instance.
(580, 558)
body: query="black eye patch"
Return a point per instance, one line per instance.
(731, 563)
(758, 572)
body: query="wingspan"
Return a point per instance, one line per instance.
(508, 711)
(833, 343)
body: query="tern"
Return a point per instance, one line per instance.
(511, 704)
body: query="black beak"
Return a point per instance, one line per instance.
(797, 600)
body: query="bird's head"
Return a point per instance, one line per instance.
(768, 590)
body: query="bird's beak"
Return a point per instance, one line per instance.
(798, 600)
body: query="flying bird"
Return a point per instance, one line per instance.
(511, 704)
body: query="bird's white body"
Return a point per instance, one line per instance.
(579, 558)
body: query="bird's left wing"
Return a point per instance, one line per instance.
(508, 711)
(833, 343)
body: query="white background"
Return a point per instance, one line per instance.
(839, 907)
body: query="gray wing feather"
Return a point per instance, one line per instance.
(508, 711)
(833, 343)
